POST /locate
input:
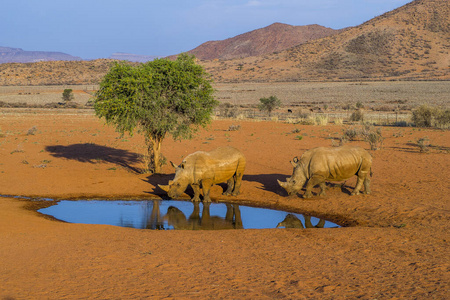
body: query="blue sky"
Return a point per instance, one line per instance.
(97, 28)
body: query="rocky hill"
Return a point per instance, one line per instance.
(411, 42)
(8, 55)
(54, 72)
(273, 38)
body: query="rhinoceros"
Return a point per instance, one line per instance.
(204, 169)
(317, 165)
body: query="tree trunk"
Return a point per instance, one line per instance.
(154, 153)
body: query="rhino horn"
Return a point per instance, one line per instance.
(282, 184)
(173, 165)
(164, 187)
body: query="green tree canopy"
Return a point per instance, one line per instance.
(157, 98)
(67, 95)
(269, 104)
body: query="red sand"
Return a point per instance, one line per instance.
(396, 248)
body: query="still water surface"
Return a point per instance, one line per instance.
(170, 214)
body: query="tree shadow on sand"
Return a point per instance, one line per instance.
(92, 153)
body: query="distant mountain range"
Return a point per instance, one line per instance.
(17, 55)
(133, 57)
(409, 43)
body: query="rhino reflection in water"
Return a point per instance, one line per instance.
(178, 220)
(291, 221)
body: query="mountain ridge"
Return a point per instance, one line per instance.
(272, 38)
(411, 42)
(18, 55)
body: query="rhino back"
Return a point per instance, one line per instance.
(218, 165)
(336, 163)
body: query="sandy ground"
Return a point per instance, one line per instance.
(396, 247)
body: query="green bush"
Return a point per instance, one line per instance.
(269, 104)
(67, 95)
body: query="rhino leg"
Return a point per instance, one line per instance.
(230, 187)
(323, 186)
(358, 186)
(238, 181)
(312, 182)
(206, 186)
(196, 189)
(367, 185)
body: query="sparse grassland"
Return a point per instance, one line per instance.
(302, 102)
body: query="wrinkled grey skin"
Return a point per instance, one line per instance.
(322, 164)
(202, 170)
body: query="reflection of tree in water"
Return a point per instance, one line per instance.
(153, 218)
(176, 218)
(291, 221)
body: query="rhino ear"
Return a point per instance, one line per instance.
(295, 159)
(164, 187)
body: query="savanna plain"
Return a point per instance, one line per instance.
(393, 244)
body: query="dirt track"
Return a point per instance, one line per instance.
(397, 248)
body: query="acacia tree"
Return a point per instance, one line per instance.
(67, 95)
(157, 98)
(269, 104)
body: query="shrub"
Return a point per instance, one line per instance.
(422, 116)
(32, 131)
(373, 137)
(423, 144)
(350, 134)
(442, 118)
(227, 110)
(321, 120)
(357, 115)
(338, 121)
(67, 95)
(234, 127)
(426, 116)
(269, 104)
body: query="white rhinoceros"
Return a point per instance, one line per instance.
(317, 165)
(204, 169)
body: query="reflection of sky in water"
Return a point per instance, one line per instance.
(138, 214)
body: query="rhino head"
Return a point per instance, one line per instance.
(179, 184)
(294, 183)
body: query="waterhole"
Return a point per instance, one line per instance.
(170, 214)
